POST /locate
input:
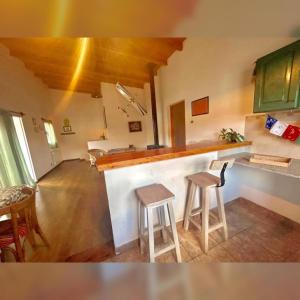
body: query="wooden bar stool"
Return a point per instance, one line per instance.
(151, 197)
(205, 181)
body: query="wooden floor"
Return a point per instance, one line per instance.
(255, 235)
(73, 211)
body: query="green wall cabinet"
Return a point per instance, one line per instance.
(278, 80)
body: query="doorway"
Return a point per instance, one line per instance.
(177, 116)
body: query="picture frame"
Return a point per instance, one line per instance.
(200, 106)
(135, 126)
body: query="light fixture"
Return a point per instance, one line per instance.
(125, 93)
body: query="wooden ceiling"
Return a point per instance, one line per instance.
(124, 60)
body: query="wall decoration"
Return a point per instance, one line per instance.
(200, 106)
(67, 126)
(270, 122)
(284, 130)
(135, 126)
(278, 128)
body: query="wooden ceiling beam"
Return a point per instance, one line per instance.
(37, 66)
(113, 48)
(60, 78)
(77, 90)
(89, 77)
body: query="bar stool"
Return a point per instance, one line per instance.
(158, 197)
(205, 181)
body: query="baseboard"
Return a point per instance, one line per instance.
(65, 160)
(42, 177)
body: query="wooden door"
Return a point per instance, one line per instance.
(177, 113)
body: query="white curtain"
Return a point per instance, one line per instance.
(13, 168)
(51, 138)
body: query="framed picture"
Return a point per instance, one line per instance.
(200, 106)
(135, 126)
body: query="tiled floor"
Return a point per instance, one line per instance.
(255, 235)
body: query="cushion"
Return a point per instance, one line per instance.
(11, 195)
(6, 233)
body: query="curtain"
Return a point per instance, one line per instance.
(51, 138)
(13, 168)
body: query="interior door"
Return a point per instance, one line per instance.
(177, 114)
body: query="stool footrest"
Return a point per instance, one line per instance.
(215, 227)
(196, 212)
(195, 223)
(211, 229)
(163, 248)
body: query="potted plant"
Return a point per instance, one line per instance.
(231, 136)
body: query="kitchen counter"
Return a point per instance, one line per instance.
(120, 160)
(242, 159)
(125, 172)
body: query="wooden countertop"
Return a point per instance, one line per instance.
(126, 159)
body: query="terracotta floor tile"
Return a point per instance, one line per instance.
(243, 248)
(255, 235)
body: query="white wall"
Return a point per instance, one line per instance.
(117, 122)
(21, 91)
(86, 118)
(220, 68)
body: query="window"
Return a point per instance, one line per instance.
(51, 138)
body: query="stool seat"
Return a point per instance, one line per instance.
(204, 179)
(153, 195)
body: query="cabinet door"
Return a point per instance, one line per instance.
(294, 92)
(273, 82)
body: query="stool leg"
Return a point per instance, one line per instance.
(205, 219)
(162, 221)
(221, 211)
(2, 255)
(174, 231)
(141, 226)
(190, 201)
(151, 234)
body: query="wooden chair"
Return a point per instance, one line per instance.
(205, 181)
(151, 197)
(94, 154)
(23, 223)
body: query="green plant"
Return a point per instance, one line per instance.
(231, 136)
